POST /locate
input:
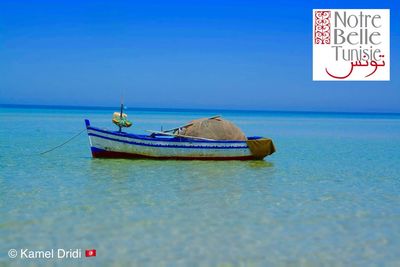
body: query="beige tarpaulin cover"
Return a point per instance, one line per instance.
(220, 129)
(215, 128)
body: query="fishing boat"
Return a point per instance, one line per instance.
(171, 144)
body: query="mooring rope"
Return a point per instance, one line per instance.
(66, 142)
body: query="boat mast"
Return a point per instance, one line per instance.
(120, 114)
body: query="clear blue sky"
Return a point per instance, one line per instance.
(202, 54)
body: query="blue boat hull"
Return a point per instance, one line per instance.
(112, 144)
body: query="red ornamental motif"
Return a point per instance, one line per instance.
(322, 28)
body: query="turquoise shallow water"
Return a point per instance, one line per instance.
(329, 196)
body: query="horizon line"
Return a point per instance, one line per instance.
(191, 109)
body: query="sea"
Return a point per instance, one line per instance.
(329, 196)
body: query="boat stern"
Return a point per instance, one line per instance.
(260, 147)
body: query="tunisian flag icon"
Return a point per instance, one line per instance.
(90, 253)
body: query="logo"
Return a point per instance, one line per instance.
(351, 44)
(60, 253)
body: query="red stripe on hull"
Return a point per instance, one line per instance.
(123, 155)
